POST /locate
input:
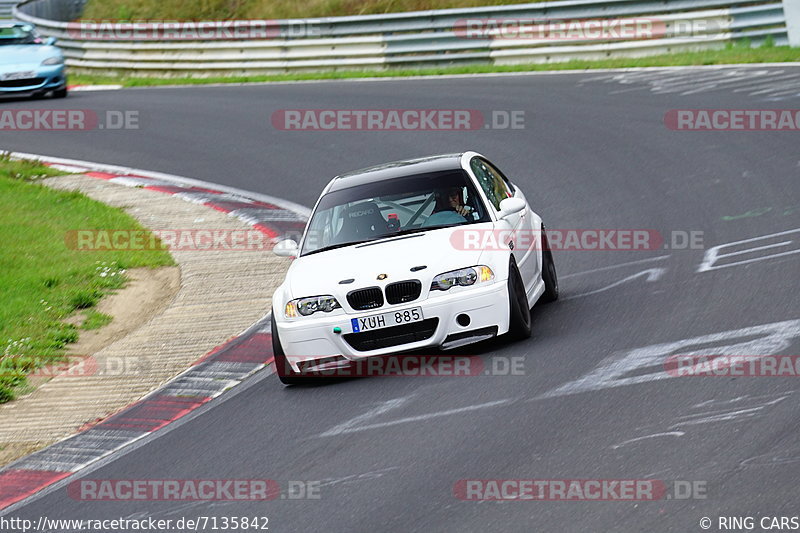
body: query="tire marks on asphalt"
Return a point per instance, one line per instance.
(771, 83)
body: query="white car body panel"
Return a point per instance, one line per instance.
(487, 304)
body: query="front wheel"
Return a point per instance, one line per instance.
(548, 274)
(60, 93)
(519, 326)
(282, 368)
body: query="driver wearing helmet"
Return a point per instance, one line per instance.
(449, 208)
(451, 199)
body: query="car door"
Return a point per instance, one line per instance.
(525, 224)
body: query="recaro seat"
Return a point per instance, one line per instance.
(362, 221)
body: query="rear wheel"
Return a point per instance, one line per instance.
(282, 368)
(519, 311)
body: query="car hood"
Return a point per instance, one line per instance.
(25, 55)
(321, 273)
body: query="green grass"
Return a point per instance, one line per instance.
(96, 320)
(740, 53)
(42, 280)
(263, 9)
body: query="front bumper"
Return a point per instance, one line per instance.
(312, 338)
(48, 78)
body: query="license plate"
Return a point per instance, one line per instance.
(18, 76)
(386, 320)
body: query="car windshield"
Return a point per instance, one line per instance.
(18, 35)
(393, 207)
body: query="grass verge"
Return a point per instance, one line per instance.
(42, 281)
(96, 320)
(734, 54)
(263, 9)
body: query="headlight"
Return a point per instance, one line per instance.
(309, 306)
(463, 277)
(53, 60)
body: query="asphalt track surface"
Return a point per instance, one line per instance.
(588, 157)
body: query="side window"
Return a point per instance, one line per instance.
(496, 172)
(490, 181)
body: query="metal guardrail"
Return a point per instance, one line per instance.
(6, 7)
(52, 10)
(402, 40)
(791, 9)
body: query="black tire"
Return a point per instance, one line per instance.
(519, 326)
(60, 93)
(282, 368)
(548, 274)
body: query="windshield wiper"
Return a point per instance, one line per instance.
(353, 243)
(427, 228)
(406, 232)
(391, 236)
(382, 237)
(333, 247)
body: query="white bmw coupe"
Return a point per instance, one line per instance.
(434, 252)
